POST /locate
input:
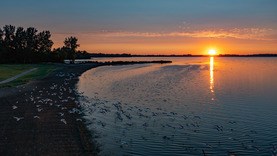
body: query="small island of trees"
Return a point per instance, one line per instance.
(19, 45)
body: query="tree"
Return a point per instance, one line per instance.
(71, 46)
(1, 37)
(83, 55)
(19, 39)
(8, 45)
(44, 42)
(19, 44)
(9, 35)
(58, 55)
(71, 43)
(31, 38)
(1, 45)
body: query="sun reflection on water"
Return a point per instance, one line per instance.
(212, 74)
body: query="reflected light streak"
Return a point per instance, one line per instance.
(212, 74)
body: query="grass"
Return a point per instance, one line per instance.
(10, 70)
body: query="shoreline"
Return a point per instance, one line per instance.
(41, 117)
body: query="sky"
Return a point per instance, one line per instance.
(152, 26)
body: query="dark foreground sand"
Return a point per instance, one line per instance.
(39, 108)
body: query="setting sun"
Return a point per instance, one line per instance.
(212, 52)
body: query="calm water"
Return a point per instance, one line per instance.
(216, 106)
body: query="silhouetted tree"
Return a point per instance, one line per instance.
(44, 42)
(1, 45)
(18, 45)
(32, 45)
(8, 43)
(9, 35)
(71, 46)
(71, 43)
(31, 38)
(82, 55)
(1, 37)
(19, 39)
(59, 55)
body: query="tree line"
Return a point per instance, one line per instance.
(19, 45)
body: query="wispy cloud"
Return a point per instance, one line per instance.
(238, 33)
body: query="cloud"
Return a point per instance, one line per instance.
(238, 33)
(265, 34)
(244, 33)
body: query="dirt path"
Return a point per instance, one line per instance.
(17, 76)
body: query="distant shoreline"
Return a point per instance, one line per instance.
(185, 55)
(255, 55)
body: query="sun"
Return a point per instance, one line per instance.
(212, 52)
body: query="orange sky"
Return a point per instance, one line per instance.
(152, 26)
(233, 41)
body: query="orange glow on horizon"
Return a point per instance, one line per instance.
(167, 45)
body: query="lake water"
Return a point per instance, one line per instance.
(193, 106)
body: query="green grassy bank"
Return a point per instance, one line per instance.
(10, 70)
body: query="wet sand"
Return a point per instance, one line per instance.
(42, 117)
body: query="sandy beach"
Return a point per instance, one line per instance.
(42, 117)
